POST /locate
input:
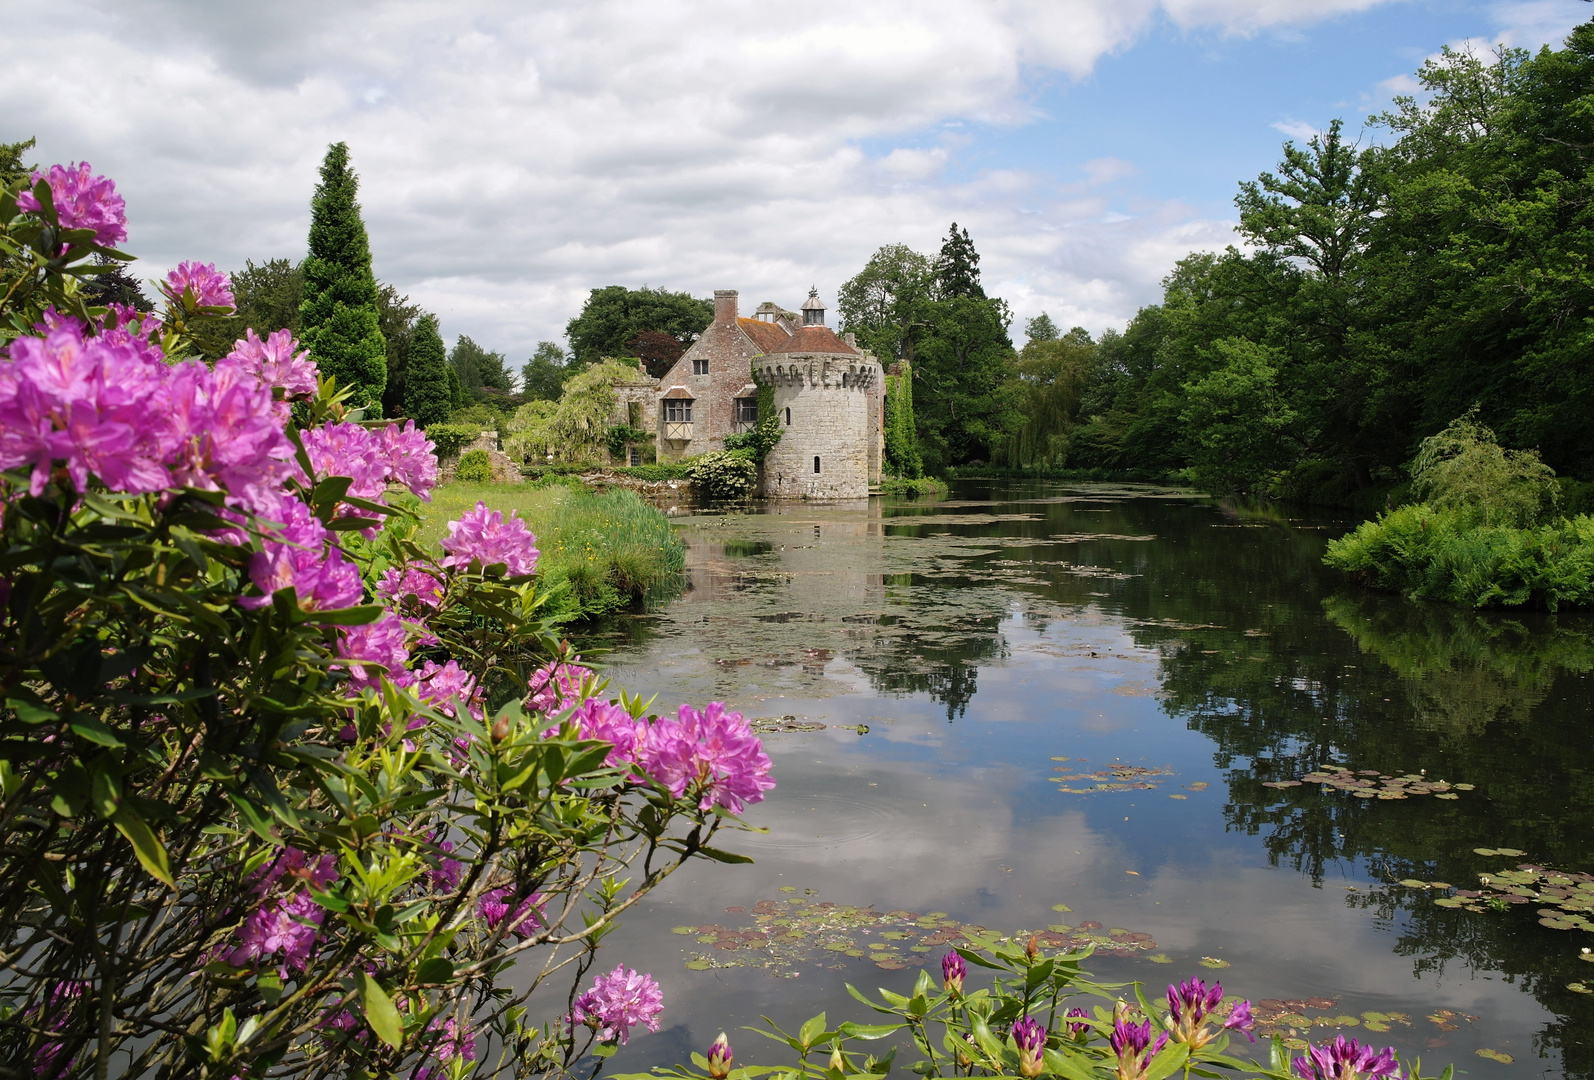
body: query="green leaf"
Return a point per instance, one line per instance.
(1169, 1061)
(380, 1013)
(350, 616)
(29, 712)
(810, 1031)
(435, 970)
(850, 1030)
(87, 726)
(146, 845)
(723, 856)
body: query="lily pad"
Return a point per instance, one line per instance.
(1496, 1055)
(1213, 962)
(1160, 958)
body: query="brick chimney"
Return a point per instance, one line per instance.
(725, 306)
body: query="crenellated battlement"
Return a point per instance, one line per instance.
(816, 372)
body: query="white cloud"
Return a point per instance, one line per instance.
(514, 156)
(1299, 130)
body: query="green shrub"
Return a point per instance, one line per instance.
(1464, 469)
(450, 439)
(476, 467)
(901, 485)
(655, 472)
(724, 475)
(1432, 554)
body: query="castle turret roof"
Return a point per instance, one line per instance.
(815, 339)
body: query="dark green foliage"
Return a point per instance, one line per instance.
(456, 392)
(964, 400)
(544, 374)
(269, 296)
(614, 316)
(1052, 373)
(12, 167)
(426, 388)
(449, 439)
(1444, 555)
(475, 467)
(397, 318)
(620, 436)
(340, 321)
(484, 376)
(957, 267)
(116, 286)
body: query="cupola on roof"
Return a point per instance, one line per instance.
(813, 309)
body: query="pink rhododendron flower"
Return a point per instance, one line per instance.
(446, 877)
(275, 363)
(494, 906)
(713, 753)
(482, 535)
(555, 687)
(226, 434)
(379, 642)
(82, 201)
(616, 1002)
(440, 687)
(299, 555)
(348, 449)
(608, 723)
(410, 458)
(210, 287)
(396, 585)
(289, 927)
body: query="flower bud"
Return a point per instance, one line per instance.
(837, 1062)
(1033, 948)
(953, 968)
(719, 1058)
(500, 729)
(1030, 1038)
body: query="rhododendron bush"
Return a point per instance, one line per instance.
(283, 792)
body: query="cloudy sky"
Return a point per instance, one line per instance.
(514, 155)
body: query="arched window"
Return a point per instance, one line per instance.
(816, 463)
(788, 416)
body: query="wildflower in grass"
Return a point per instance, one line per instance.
(1346, 1059)
(484, 536)
(1030, 1038)
(380, 642)
(199, 283)
(524, 918)
(82, 201)
(719, 1058)
(1192, 1001)
(712, 753)
(953, 970)
(1133, 1045)
(616, 1002)
(289, 926)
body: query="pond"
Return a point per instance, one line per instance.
(1137, 717)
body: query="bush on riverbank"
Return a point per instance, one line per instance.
(612, 550)
(653, 473)
(1431, 554)
(902, 485)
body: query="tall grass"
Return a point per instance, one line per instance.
(604, 552)
(1433, 554)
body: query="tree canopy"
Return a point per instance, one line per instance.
(544, 374)
(614, 316)
(340, 320)
(427, 395)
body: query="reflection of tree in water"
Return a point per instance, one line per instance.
(943, 663)
(1469, 697)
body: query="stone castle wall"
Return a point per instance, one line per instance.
(830, 399)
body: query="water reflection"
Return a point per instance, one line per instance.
(1160, 631)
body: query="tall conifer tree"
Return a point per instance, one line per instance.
(957, 267)
(339, 319)
(427, 397)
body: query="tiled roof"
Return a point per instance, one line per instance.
(815, 339)
(766, 335)
(678, 392)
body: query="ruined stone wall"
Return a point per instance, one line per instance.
(830, 419)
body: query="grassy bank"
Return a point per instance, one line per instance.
(901, 485)
(611, 550)
(1444, 555)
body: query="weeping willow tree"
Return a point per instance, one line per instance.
(574, 430)
(1053, 374)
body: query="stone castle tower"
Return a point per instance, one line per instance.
(828, 397)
